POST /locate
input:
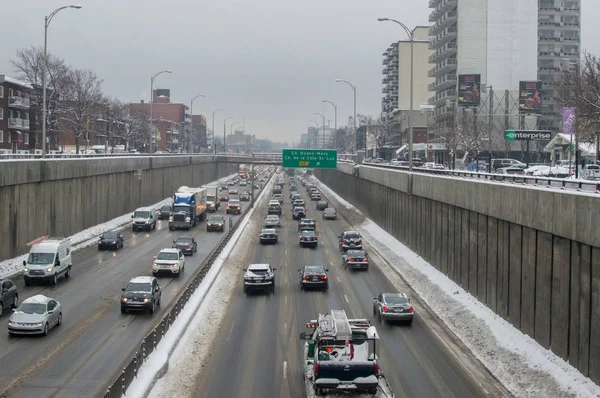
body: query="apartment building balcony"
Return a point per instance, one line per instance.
(442, 83)
(434, 3)
(448, 19)
(19, 102)
(14, 123)
(442, 7)
(441, 98)
(448, 50)
(449, 34)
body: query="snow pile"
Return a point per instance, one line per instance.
(524, 367)
(206, 303)
(85, 238)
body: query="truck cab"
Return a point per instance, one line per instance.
(340, 356)
(212, 198)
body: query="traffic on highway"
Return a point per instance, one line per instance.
(315, 315)
(77, 315)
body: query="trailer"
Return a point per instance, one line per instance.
(340, 358)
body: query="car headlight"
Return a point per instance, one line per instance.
(124, 299)
(220, 224)
(99, 242)
(170, 218)
(26, 269)
(175, 265)
(154, 265)
(49, 269)
(187, 219)
(147, 221)
(146, 300)
(37, 325)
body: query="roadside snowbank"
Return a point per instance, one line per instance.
(522, 365)
(182, 348)
(85, 238)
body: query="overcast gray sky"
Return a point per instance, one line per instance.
(271, 62)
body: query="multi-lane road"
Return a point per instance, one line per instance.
(78, 358)
(258, 353)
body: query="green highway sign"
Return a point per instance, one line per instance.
(527, 135)
(309, 158)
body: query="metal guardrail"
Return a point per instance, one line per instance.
(129, 370)
(257, 156)
(546, 182)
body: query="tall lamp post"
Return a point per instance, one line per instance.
(47, 21)
(225, 132)
(213, 130)
(353, 87)
(412, 58)
(192, 115)
(323, 117)
(317, 126)
(152, 102)
(334, 117)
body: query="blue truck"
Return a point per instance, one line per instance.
(189, 207)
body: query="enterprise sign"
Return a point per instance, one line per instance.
(527, 135)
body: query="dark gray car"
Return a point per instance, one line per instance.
(393, 307)
(9, 298)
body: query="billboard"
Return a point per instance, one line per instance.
(468, 90)
(530, 96)
(569, 125)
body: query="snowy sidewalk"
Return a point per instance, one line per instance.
(523, 366)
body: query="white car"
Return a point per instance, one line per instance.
(169, 261)
(272, 220)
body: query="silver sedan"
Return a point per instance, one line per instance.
(36, 315)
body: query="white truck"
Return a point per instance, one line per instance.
(49, 259)
(189, 207)
(212, 198)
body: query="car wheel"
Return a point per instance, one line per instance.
(59, 322)
(374, 311)
(27, 283)
(15, 303)
(45, 332)
(1, 308)
(153, 308)
(170, 229)
(154, 226)
(123, 310)
(55, 280)
(409, 322)
(68, 273)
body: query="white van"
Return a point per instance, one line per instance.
(47, 261)
(143, 218)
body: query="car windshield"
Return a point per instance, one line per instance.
(308, 233)
(351, 235)
(515, 171)
(329, 210)
(273, 217)
(165, 208)
(308, 221)
(260, 271)
(210, 198)
(110, 235)
(32, 308)
(167, 256)
(184, 241)
(267, 231)
(216, 219)
(234, 202)
(355, 253)
(297, 209)
(314, 268)
(273, 203)
(139, 287)
(396, 300)
(141, 214)
(40, 258)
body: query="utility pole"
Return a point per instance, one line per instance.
(490, 127)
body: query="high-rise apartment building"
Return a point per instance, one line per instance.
(496, 39)
(559, 47)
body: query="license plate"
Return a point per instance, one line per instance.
(315, 279)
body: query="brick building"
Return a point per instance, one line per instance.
(18, 130)
(170, 119)
(238, 142)
(199, 140)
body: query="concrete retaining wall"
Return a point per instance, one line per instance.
(63, 197)
(530, 255)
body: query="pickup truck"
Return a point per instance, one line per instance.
(339, 357)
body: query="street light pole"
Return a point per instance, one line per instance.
(152, 102)
(412, 83)
(47, 21)
(213, 130)
(354, 120)
(317, 130)
(335, 116)
(323, 117)
(192, 115)
(225, 132)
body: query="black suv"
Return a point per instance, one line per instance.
(259, 277)
(350, 240)
(355, 259)
(298, 213)
(277, 189)
(308, 238)
(215, 223)
(187, 245)
(142, 293)
(274, 207)
(314, 276)
(9, 298)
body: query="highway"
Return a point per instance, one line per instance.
(258, 353)
(78, 358)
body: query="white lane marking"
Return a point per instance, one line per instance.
(346, 297)
(284, 370)
(285, 300)
(338, 279)
(285, 326)
(286, 252)
(230, 331)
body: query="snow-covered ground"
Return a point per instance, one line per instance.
(186, 345)
(84, 238)
(524, 367)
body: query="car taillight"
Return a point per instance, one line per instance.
(360, 242)
(385, 308)
(316, 238)
(316, 368)
(365, 260)
(376, 368)
(324, 277)
(304, 278)
(410, 309)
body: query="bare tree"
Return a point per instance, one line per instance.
(81, 102)
(580, 88)
(135, 126)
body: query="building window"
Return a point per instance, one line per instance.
(9, 138)
(26, 138)
(1, 91)
(1, 136)
(10, 92)
(1, 113)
